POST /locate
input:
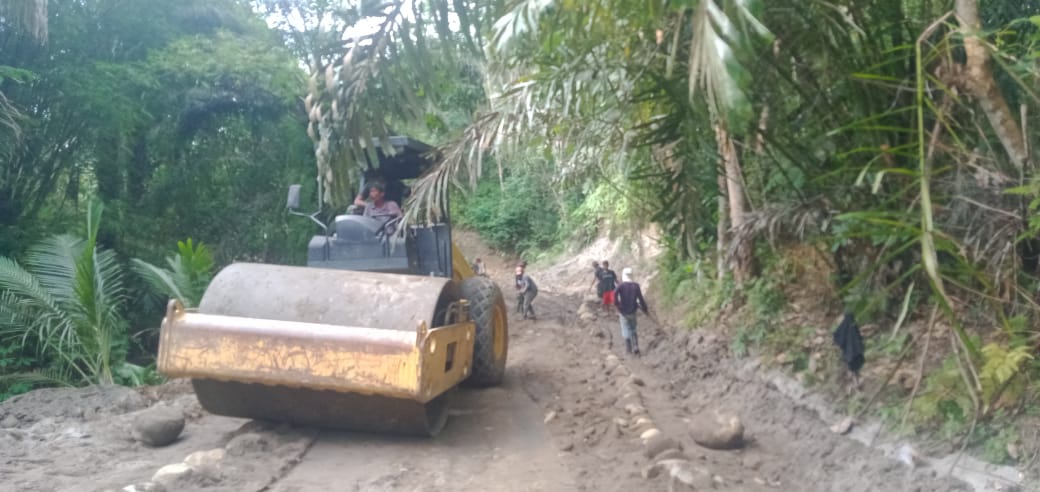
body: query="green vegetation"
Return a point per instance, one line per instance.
(519, 215)
(185, 124)
(62, 314)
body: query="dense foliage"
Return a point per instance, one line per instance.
(185, 124)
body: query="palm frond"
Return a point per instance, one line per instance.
(43, 377)
(53, 262)
(353, 98)
(713, 65)
(521, 20)
(791, 221)
(161, 280)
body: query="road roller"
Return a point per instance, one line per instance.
(371, 335)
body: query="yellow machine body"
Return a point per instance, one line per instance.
(335, 348)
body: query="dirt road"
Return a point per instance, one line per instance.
(569, 418)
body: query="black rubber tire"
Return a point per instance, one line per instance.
(489, 368)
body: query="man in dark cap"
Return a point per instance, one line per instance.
(379, 207)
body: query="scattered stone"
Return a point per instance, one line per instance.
(171, 473)
(75, 433)
(200, 459)
(548, 417)
(689, 477)
(1013, 451)
(908, 455)
(658, 444)
(634, 409)
(649, 434)
(629, 399)
(715, 430)
(144, 487)
(158, 426)
(567, 447)
(782, 358)
(842, 427)
(9, 422)
(637, 381)
(247, 443)
(642, 421)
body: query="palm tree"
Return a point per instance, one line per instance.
(66, 302)
(29, 16)
(187, 275)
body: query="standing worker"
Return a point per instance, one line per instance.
(607, 284)
(629, 298)
(596, 269)
(479, 268)
(526, 291)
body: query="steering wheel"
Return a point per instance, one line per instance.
(389, 227)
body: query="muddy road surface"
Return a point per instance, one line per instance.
(575, 414)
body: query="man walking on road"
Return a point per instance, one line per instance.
(607, 284)
(629, 298)
(526, 291)
(596, 270)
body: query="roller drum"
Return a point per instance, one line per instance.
(333, 348)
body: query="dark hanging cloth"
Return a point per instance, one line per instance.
(849, 340)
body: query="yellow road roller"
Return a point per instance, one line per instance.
(372, 335)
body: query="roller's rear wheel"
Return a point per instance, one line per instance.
(323, 408)
(491, 345)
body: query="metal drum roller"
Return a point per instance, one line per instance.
(333, 348)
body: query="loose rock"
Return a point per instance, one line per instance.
(649, 434)
(716, 430)
(200, 459)
(842, 427)
(144, 487)
(548, 417)
(686, 476)
(634, 409)
(158, 426)
(658, 444)
(171, 473)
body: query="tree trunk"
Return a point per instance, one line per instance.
(723, 230)
(984, 87)
(743, 259)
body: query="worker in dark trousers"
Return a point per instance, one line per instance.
(607, 284)
(628, 298)
(527, 290)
